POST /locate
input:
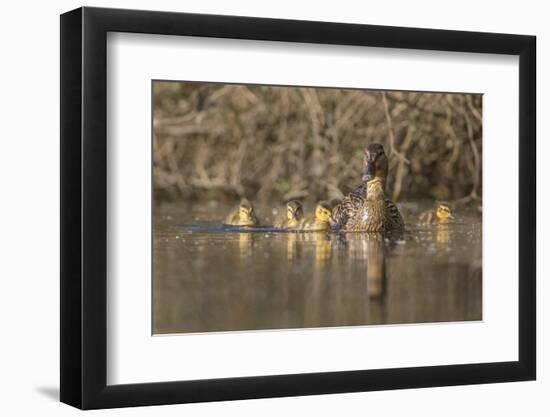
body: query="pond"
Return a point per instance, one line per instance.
(213, 278)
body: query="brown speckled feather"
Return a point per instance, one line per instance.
(376, 216)
(349, 205)
(394, 219)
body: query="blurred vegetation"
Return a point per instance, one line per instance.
(217, 141)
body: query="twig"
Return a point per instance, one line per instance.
(402, 169)
(472, 108)
(393, 150)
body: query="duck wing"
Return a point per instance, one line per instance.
(349, 206)
(376, 216)
(394, 220)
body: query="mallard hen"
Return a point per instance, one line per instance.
(366, 208)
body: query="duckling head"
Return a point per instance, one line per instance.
(294, 210)
(444, 212)
(323, 211)
(246, 211)
(376, 163)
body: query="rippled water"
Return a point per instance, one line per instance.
(213, 278)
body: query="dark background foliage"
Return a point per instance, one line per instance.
(218, 141)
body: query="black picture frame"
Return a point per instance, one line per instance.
(84, 207)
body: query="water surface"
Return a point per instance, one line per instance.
(213, 278)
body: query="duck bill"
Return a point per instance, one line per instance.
(370, 171)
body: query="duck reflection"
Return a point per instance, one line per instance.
(292, 246)
(323, 249)
(376, 267)
(368, 250)
(246, 241)
(320, 241)
(442, 234)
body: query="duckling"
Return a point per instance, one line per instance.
(442, 214)
(243, 215)
(366, 208)
(294, 214)
(321, 221)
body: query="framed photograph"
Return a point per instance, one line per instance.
(259, 208)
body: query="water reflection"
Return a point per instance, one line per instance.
(442, 235)
(319, 240)
(291, 246)
(208, 279)
(376, 267)
(246, 240)
(368, 251)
